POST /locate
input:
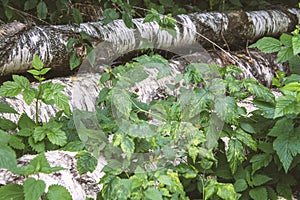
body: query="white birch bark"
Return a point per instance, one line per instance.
(17, 47)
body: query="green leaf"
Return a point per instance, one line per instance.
(226, 191)
(57, 136)
(34, 72)
(42, 10)
(121, 103)
(296, 44)
(293, 87)
(61, 100)
(7, 125)
(153, 193)
(77, 17)
(39, 134)
(127, 146)
(86, 162)
(4, 108)
(28, 95)
(226, 109)
(37, 63)
(74, 60)
(30, 4)
(73, 146)
(286, 40)
(25, 122)
(259, 193)
(11, 191)
(16, 142)
(284, 125)
(240, 185)
(286, 105)
(267, 45)
(37, 146)
(33, 189)
(110, 15)
(7, 158)
(285, 54)
(10, 89)
(246, 139)
(126, 17)
(58, 192)
(260, 179)
(235, 154)
(261, 92)
(45, 71)
(140, 130)
(287, 147)
(71, 43)
(260, 160)
(267, 109)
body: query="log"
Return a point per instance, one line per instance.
(82, 89)
(18, 45)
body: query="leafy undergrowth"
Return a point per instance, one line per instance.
(172, 148)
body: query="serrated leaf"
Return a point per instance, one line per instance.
(287, 147)
(85, 162)
(267, 109)
(293, 87)
(39, 134)
(240, 185)
(260, 160)
(286, 105)
(37, 63)
(77, 17)
(33, 189)
(10, 89)
(7, 125)
(11, 191)
(285, 54)
(25, 122)
(16, 142)
(235, 154)
(42, 10)
(61, 100)
(286, 39)
(28, 95)
(22, 81)
(260, 179)
(45, 71)
(246, 139)
(34, 72)
(127, 146)
(121, 103)
(261, 92)
(153, 193)
(58, 192)
(267, 45)
(226, 191)
(30, 4)
(57, 136)
(226, 109)
(296, 44)
(37, 146)
(4, 108)
(141, 130)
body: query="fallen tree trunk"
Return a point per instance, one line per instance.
(82, 89)
(18, 45)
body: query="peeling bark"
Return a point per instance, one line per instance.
(49, 42)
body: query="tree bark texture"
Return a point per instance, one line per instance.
(82, 89)
(235, 28)
(79, 186)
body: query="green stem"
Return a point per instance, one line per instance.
(37, 103)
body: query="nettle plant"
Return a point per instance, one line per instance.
(30, 136)
(182, 157)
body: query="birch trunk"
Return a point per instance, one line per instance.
(82, 89)
(18, 45)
